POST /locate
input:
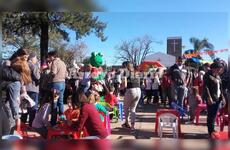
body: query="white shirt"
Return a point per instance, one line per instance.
(156, 83)
(218, 88)
(148, 83)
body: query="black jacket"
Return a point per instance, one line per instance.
(10, 75)
(211, 87)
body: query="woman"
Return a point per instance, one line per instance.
(17, 73)
(155, 88)
(89, 117)
(132, 96)
(213, 94)
(32, 88)
(148, 88)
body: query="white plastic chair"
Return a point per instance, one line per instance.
(12, 137)
(168, 120)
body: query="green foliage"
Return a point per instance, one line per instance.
(203, 44)
(56, 24)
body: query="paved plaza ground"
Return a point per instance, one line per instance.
(145, 126)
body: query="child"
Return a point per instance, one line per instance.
(110, 98)
(73, 111)
(90, 118)
(95, 99)
(193, 99)
(41, 120)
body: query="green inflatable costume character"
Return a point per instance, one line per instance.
(96, 60)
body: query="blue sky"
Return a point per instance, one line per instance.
(160, 19)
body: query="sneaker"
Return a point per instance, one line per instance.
(125, 125)
(189, 122)
(132, 130)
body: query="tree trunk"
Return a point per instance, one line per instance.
(0, 36)
(44, 40)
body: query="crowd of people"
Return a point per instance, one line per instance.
(36, 95)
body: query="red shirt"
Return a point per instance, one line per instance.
(198, 82)
(72, 114)
(111, 99)
(166, 82)
(90, 119)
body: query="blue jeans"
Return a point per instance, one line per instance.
(13, 93)
(59, 105)
(212, 112)
(178, 94)
(31, 111)
(156, 96)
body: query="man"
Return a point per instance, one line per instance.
(179, 77)
(59, 74)
(213, 94)
(33, 88)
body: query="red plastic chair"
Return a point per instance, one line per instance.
(64, 129)
(202, 107)
(26, 131)
(220, 135)
(223, 121)
(198, 110)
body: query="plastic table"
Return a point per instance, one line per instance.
(61, 130)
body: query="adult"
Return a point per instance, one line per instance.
(148, 88)
(132, 96)
(117, 82)
(179, 79)
(166, 88)
(17, 73)
(155, 88)
(213, 94)
(198, 81)
(59, 73)
(4, 125)
(33, 87)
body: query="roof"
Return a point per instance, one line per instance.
(176, 37)
(160, 54)
(165, 59)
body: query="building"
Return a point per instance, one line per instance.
(165, 59)
(174, 46)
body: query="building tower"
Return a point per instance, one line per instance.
(174, 46)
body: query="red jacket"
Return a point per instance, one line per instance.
(90, 119)
(166, 82)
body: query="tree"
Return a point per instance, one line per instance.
(203, 44)
(80, 51)
(86, 61)
(68, 53)
(41, 23)
(0, 38)
(135, 50)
